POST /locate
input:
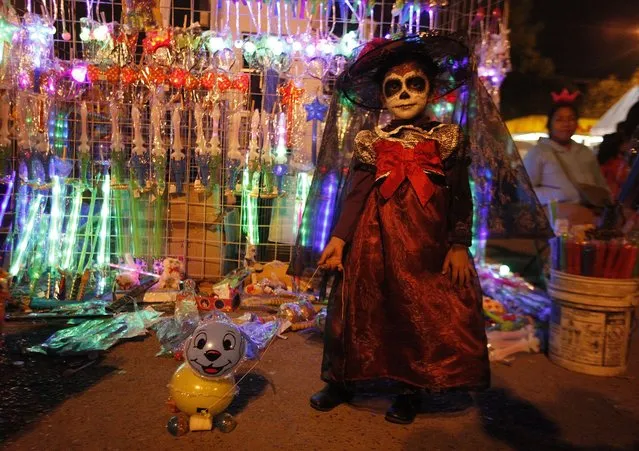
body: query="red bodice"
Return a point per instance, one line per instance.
(397, 163)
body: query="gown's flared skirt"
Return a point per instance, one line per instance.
(396, 316)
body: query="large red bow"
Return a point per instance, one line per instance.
(400, 163)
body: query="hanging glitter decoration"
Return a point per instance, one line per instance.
(493, 53)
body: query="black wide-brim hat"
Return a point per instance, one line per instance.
(448, 55)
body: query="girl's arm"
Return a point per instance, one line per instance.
(460, 211)
(359, 185)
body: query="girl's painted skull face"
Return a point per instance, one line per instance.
(215, 349)
(405, 90)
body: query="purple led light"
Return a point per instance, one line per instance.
(7, 196)
(326, 208)
(24, 81)
(79, 73)
(279, 170)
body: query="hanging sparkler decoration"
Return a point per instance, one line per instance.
(493, 52)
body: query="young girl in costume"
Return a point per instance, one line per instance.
(407, 309)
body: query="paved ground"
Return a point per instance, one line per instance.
(118, 403)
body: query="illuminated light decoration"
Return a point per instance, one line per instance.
(483, 198)
(25, 80)
(39, 38)
(88, 235)
(327, 206)
(280, 168)
(157, 39)
(280, 150)
(25, 237)
(310, 50)
(241, 82)
(249, 48)
(191, 82)
(36, 262)
(55, 229)
(301, 195)
(249, 216)
(268, 52)
(128, 75)
(22, 206)
(291, 97)
(178, 78)
(253, 155)
(5, 140)
(153, 76)
(347, 44)
(316, 112)
(475, 220)
(97, 41)
(112, 74)
(103, 233)
(59, 131)
(93, 73)
(101, 33)
(275, 45)
(7, 30)
(7, 196)
(48, 83)
(85, 35)
(79, 73)
(208, 80)
(72, 228)
(504, 270)
(493, 55)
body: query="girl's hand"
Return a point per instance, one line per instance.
(332, 256)
(458, 264)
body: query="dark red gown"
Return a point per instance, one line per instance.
(395, 316)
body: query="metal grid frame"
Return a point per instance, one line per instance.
(206, 230)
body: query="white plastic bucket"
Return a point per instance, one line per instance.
(591, 323)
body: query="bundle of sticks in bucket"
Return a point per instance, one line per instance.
(613, 259)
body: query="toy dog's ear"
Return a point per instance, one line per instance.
(186, 345)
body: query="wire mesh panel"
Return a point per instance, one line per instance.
(186, 129)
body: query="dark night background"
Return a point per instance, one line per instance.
(583, 40)
(587, 38)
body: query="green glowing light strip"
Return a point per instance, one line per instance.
(137, 246)
(26, 236)
(249, 212)
(55, 229)
(72, 228)
(88, 232)
(303, 186)
(104, 222)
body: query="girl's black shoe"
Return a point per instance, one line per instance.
(404, 409)
(330, 397)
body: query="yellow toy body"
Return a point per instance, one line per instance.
(193, 394)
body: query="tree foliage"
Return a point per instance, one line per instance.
(603, 94)
(525, 56)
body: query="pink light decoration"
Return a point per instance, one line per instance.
(24, 81)
(79, 73)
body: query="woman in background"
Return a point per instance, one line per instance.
(558, 167)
